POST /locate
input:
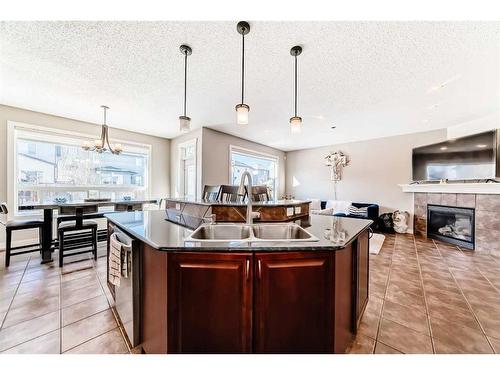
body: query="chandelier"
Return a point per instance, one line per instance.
(100, 144)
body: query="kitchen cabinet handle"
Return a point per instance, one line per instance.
(248, 269)
(259, 268)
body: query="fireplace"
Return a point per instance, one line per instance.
(451, 224)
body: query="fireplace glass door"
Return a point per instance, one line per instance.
(451, 224)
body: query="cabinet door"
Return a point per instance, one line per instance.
(293, 303)
(362, 276)
(209, 303)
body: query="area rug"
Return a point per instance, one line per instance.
(376, 243)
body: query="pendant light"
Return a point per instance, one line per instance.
(296, 121)
(185, 121)
(242, 108)
(100, 144)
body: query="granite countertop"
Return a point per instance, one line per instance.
(279, 202)
(153, 228)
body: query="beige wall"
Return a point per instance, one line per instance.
(160, 147)
(215, 157)
(377, 167)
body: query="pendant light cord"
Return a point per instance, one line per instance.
(295, 85)
(185, 80)
(243, 68)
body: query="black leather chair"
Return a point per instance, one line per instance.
(260, 193)
(230, 194)
(13, 225)
(211, 193)
(73, 235)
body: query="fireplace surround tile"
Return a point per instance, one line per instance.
(434, 198)
(488, 240)
(420, 199)
(466, 200)
(488, 220)
(449, 199)
(488, 202)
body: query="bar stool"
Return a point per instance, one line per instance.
(211, 193)
(78, 240)
(260, 193)
(13, 225)
(230, 193)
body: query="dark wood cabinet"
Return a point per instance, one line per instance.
(361, 274)
(293, 302)
(210, 303)
(343, 297)
(263, 302)
(154, 300)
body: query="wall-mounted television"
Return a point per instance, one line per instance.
(475, 157)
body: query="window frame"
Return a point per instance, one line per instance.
(259, 154)
(52, 134)
(180, 173)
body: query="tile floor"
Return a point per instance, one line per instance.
(425, 297)
(45, 309)
(430, 297)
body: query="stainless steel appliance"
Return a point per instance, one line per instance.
(127, 295)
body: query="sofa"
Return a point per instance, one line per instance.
(372, 211)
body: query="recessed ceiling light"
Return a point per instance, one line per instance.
(445, 83)
(425, 121)
(443, 148)
(333, 127)
(481, 146)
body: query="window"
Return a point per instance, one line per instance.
(50, 165)
(262, 167)
(187, 170)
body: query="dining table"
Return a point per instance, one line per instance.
(48, 208)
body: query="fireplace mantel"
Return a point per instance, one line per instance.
(464, 188)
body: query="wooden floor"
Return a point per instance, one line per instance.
(425, 297)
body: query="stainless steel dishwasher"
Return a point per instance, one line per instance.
(127, 295)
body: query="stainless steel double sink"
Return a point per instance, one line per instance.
(263, 232)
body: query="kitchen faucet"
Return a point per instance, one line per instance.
(250, 213)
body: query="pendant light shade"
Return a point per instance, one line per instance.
(295, 121)
(242, 109)
(242, 114)
(184, 124)
(296, 125)
(185, 121)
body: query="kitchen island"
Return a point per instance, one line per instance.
(246, 297)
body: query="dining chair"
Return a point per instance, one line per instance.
(231, 193)
(14, 225)
(260, 193)
(211, 193)
(73, 235)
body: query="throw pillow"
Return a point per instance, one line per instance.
(355, 211)
(315, 204)
(339, 207)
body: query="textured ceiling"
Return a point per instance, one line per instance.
(369, 79)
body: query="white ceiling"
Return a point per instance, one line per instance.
(369, 79)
